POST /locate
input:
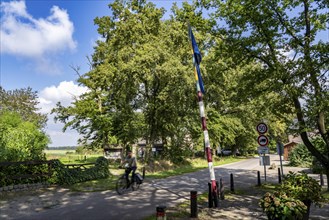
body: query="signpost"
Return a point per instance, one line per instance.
(279, 147)
(263, 145)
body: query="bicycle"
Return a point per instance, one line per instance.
(123, 184)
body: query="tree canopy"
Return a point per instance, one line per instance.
(21, 126)
(260, 62)
(282, 36)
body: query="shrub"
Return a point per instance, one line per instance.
(285, 203)
(67, 176)
(278, 205)
(302, 187)
(300, 156)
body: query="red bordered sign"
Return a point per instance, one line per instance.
(262, 140)
(261, 128)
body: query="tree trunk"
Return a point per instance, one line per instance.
(302, 127)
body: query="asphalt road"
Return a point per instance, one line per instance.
(142, 203)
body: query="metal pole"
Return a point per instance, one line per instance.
(280, 154)
(264, 166)
(279, 175)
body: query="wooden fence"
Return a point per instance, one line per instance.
(47, 173)
(44, 172)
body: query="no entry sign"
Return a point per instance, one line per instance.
(261, 128)
(262, 140)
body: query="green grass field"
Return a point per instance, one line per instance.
(70, 156)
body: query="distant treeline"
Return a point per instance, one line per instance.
(63, 148)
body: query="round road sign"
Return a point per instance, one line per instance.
(262, 128)
(262, 140)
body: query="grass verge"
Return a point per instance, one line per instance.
(191, 166)
(109, 183)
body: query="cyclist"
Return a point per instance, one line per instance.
(130, 160)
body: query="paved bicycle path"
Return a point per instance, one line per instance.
(142, 203)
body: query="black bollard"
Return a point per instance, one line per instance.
(221, 189)
(321, 179)
(232, 182)
(216, 196)
(161, 213)
(279, 175)
(194, 204)
(210, 200)
(258, 179)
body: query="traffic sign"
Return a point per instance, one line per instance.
(262, 140)
(264, 160)
(261, 128)
(279, 148)
(263, 150)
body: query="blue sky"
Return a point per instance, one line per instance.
(40, 40)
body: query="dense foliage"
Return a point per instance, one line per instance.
(141, 85)
(283, 38)
(23, 174)
(69, 176)
(24, 102)
(293, 198)
(302, 157)
(21, 126)
(52, 172)
(20, 140)
(302, 187)
(278, 205)
(260, 62)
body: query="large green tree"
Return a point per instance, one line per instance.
(283, 37)
(25, 103)
(139, 84)
(21, 126)
(19, 139)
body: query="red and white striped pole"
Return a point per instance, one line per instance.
(207, 144)
(203, 116)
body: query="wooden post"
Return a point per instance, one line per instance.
(194, 204)
(161, 213)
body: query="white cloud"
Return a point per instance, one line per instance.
(65, 93)
(23, 35)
